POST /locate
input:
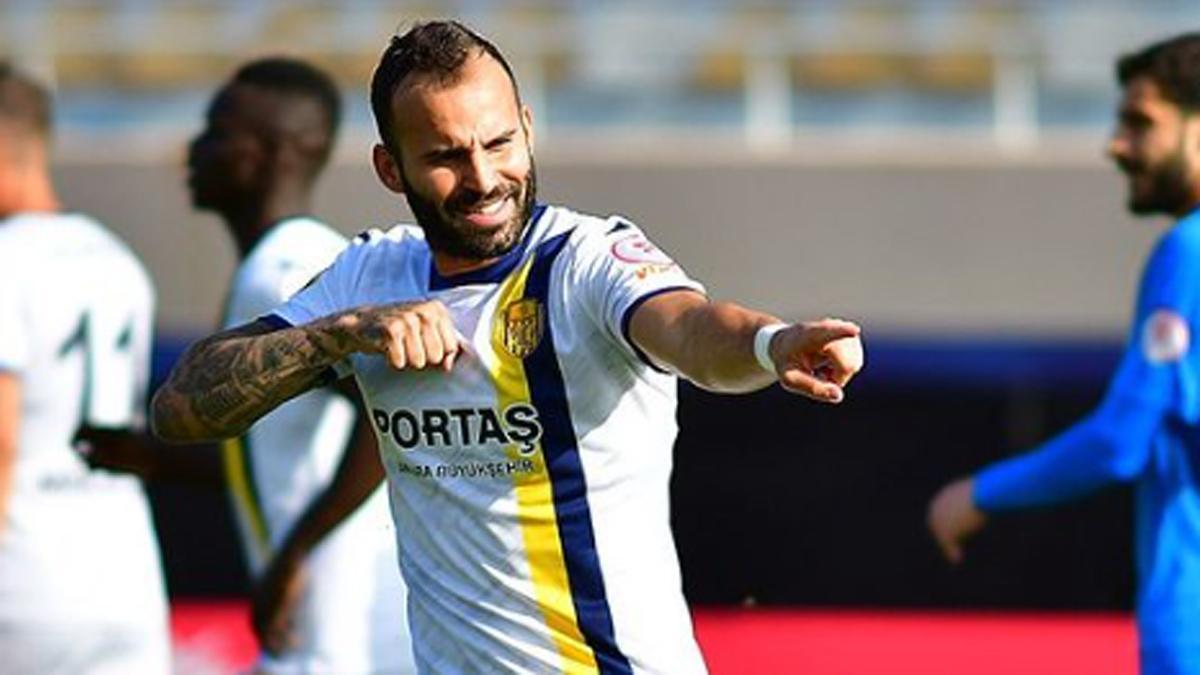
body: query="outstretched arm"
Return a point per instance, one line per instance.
(225, 382)
(146, 457)
(1109, 446)
(713, 345)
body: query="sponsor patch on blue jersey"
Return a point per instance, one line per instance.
(1165, 336)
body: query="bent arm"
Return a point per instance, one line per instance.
(151, 460)
(358, 475)
(225, 382)
(1111, 445)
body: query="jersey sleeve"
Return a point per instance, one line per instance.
(14, 325)
(329, 291)
(1155, 381)
(619, 269)
(1160, 365)
(1111, 445)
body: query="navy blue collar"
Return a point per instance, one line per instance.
(495, 271)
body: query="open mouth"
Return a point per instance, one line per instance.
(490, 214)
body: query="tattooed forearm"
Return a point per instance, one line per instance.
(226, 382)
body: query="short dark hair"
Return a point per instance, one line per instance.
(23, 101)
(436, 50)
(1172, 64)
(295, 77)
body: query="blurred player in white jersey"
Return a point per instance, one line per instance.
(81, 588)
(268, 136)
(519, 360)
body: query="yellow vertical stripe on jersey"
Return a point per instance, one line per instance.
(241, 485)
(535, 500)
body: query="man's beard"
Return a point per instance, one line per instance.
(1167, 191)
(448, 233)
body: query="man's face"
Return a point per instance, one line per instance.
(1156, 145)
(223, 159)
(465, 161)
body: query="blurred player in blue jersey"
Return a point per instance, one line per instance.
(268, 136)
(1147, 428)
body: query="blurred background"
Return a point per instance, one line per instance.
(933, 169)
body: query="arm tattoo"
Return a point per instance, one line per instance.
(226, 382)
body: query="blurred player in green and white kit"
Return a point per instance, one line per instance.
(81, 587)
(268, 136)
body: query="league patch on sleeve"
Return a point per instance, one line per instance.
(1165, 337)
(638, 250)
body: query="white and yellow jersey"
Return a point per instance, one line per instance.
(530, 485)
(81, 586)
(352, 616)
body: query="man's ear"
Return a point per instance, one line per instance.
(254, 166)
(387, 169)
(527, 120)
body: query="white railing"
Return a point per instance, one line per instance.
(1028, 46)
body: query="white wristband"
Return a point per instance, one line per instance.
(762, 345)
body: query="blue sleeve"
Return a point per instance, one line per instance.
(1111, 445)
(1156, 381)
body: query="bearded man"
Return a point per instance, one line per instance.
(1147, 428)
(519, 361)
